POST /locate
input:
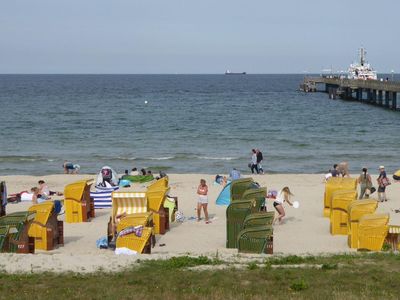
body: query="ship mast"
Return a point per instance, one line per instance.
(362, 56)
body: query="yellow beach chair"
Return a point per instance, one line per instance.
(134, 205)
(79, 207)
(45, 228)
(372, 231)
(339, 214)
(156, 200)
(159, 184)
(335, 184)
(356, 210)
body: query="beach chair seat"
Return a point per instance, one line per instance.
(19, 240)
(335, 184)
(79, 206)
(45, 228)
(372, 231)
(239, 186)
(356, 210)
(258, 194)
(339, 215)
(257, 239)
(159, 184)
(236, 213)
(259, 219)
(140, 244)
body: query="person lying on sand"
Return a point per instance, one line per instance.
(283, 196)
(37, 197)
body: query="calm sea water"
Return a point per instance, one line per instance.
(191, 123)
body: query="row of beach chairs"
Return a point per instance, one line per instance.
(248, 226)
(366, 229)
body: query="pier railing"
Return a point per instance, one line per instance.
(389, 86)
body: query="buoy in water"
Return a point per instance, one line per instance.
(145, 102)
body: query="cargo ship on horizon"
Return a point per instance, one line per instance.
(227, 72)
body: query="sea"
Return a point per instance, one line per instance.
(186, 124)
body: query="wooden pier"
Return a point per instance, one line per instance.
(374, 92)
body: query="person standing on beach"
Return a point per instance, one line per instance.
(365, 182)
(253, 165)
(383, 182)
(202, 201)
(283, 196)
(259, 161)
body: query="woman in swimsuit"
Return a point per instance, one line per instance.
(283, 195)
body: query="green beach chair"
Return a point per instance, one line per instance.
(259, 219)
(19, 242)
(239, 186)
(256, 240)
(5, 231)
(236, 213)
(258, 194)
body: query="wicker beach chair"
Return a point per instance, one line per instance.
(5, 232)
(236, 213)
(372, 231)
(239, 186)
(47, 231)
(257, 239)
(259, 219)
(79, 207)
(356, 210)
(19, 240)
(339, 215)
(336, 184)
(159, 184)
(257, 194)
(135, 206)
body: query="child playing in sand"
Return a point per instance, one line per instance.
(202, 201)
(283, 195)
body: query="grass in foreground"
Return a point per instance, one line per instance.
(367, 276)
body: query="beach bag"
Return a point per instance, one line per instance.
(372, 190)
(179, 217)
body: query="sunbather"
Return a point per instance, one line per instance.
(45, 191)
(36, 197)
(283, 196)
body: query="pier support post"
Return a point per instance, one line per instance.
(374, 97)
(387, 96)
(380, 98)
(359, 94)
(369, 96)
(394, 100)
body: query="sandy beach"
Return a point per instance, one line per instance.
(304, 231)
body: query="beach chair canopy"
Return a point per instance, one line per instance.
(107, 175)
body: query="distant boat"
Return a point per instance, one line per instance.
(227, 72)
(362, 70)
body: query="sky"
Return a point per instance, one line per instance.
(187, 36)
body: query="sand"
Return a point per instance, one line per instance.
(304, 231)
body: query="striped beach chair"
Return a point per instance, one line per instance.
(135, 208)
(102, 197)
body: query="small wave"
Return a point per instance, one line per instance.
(162, 158)
(217, 158)
(17, 158)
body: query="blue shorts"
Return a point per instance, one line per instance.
(69, 166)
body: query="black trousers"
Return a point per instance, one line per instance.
(254, 167)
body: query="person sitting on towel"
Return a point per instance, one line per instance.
(134, 172)
(44, 190)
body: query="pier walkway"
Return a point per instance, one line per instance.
(375, 92)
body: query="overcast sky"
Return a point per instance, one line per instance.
(203, 36)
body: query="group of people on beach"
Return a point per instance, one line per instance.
(135, 172)
(364, 179)
(256, 162)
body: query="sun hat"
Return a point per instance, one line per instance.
(381, 167)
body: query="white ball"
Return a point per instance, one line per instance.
(296, 204)
(145, 102)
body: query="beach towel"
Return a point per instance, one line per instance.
(102, 197)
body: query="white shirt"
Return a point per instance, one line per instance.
(254, 159)
(280, 198)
